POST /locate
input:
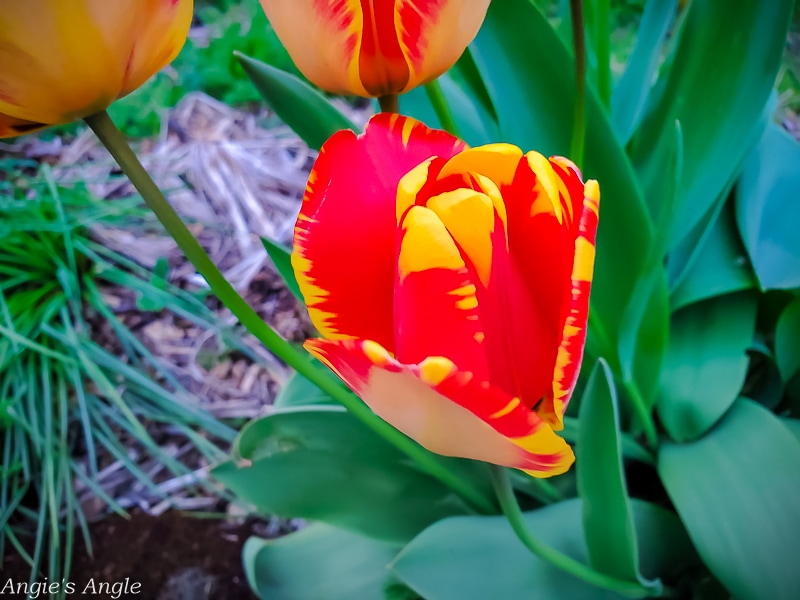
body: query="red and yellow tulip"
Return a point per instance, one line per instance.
(62, 60)
(451, 286)
(374, 47)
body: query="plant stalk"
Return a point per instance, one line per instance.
(389, 103)
(511, 509)
(579, 120)
(117, 145)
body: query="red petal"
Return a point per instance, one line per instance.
(573, 338)
(345, 238)
(446, 410)
(436, 311)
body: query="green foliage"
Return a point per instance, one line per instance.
(607, 514)
(63, 395)
(333, 468)
(736, 491)
(466, 558)
(321, 562)
(698, 220)
(765, 197)
(298, 104)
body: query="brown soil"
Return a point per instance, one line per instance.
(172, 557)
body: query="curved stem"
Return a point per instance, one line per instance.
(442, 108)
(299, 360)
(389, 103)
(579, 43)
(508, 502)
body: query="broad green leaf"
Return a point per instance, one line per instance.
(721, 266)
(767, 210)
(706, 363)
(630, 94)
(298, 104)
(318, 562)
(787, 341)
(301, 392)
(530, 78)
(721, 77)
(736, 490)
(475, 558)
(320, 462)
(474, 124)
(794, 426)
(282, 259)
(607, 514)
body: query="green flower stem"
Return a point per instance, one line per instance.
(389, 103)
(442, 108)
(508, 502)
(579, 43)
(300, 361)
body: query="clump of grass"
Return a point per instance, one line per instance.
(66, 401)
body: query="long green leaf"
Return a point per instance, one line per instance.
(607, 513)
(630, 94)
(721, 78)
(298, 104)
(737, 490)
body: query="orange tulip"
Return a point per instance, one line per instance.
(62, 60)
(451, 286)
(374, 47)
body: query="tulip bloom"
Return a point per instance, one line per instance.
(375, 47)
(63, 60)
(451, 286)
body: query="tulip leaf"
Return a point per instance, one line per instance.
(643, 339)
(475, 558)
(719, 125)
(299, 105)
(787, 341)
(793, 425)
(299, 391)
(533, 99)
(736, 490)
(319, 561)
(630, 94)
(767, 209)
(320, 462)
(721, 266)
(706, 363)
(607, 514)
(282, 259)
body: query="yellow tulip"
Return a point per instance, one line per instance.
(374, 47)
(62, 60)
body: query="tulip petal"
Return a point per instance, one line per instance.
(66, 60)
(573, 338)
(448, 411)
(374, 48)
(435, 308)
(11, 127)
(345, 235)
